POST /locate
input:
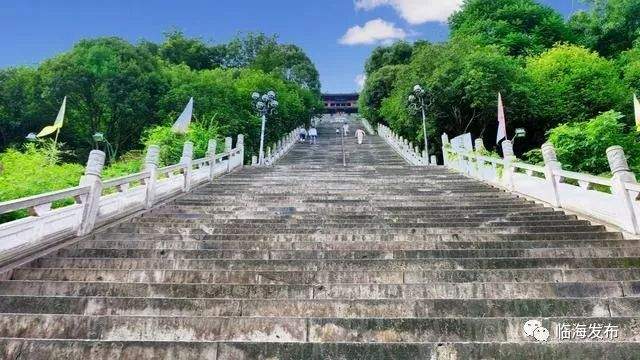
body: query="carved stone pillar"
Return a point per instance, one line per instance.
(93, 179)
(187, 161)
(151, 161)
(622, 175)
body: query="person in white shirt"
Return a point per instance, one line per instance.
(360, 134)
(345, 129)
(313, 135)
(303, 135)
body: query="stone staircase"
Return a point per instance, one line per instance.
(312, 260)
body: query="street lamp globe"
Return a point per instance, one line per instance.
(417, 89)
(98, 137)
(265, 98)
(271, 94)
(260, 105)
(274, 104)
(255, 96)
(31, 137)
(412, 98)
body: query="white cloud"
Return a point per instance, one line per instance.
(416, 11)
(374, 31)
(360, 79)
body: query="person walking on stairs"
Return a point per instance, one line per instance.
(360, 134)
(313, 135)
(345, 128)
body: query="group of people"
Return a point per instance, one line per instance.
(312, 134)
(360, 134)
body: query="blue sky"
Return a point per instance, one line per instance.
(33, 30)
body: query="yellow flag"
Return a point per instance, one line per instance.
(636, 107)
(57, 125)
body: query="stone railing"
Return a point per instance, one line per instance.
(279, 149)
(611, 200)
(405, 148)
(367, 125)
(96, 202)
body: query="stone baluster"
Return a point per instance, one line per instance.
(434, 160)
(187, 161)
(93, 179)
(509, 158)
(151, 161)
(551, 164)
(211, 154)
(480, 145)
(254, 160)
(425, 157)
(268, 155)
(621, 175)
(228, 143)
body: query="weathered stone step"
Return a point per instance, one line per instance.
(105, 350)
(377, 308)
(326, 277)
(541, 290)
(344, 245)
(339, 265)
(349, 254)
(460, 236)
(445, 228)
(270, 329)
(279, 226)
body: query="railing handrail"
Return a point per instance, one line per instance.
(126, 179)
(37, 200)
(45, 226)
(614, 201)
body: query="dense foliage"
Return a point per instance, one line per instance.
(553, 75)
(132, 93)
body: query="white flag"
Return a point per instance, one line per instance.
(502, 121)
(636, 107)
(181, 125)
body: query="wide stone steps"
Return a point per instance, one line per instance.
(308, 259)
(321, 308)
(327, 277)
(349, 254)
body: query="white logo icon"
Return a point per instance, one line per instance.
(534, 328)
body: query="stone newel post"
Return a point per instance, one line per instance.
(240, 146)
(479, 142)
(509, 158)
(227, 149)
(551, 164)
(621, 175)
(254, 160)
(151, 162)
(434, 160)
(211, 154)
(187, 161)
(445, 145)
(93, 179)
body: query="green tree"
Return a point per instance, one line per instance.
(378, 86)
(609, 26)
(574, 84)
(521, 27)
(463, 82)
(396, 54)
(581, 146)
(112, 87)
(178, 49)
(629, 63)
(21, 109)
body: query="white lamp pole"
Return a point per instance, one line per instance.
(265, 105)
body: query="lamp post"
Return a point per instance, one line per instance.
(98, 138)
(265, 105)
(417, 100)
